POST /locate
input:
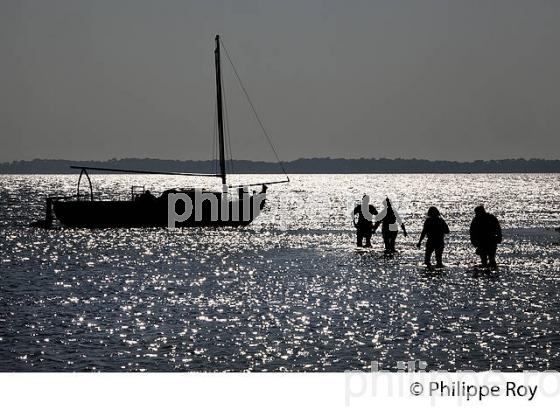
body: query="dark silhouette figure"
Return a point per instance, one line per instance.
(147, 197)
(486, 234)
(390, 221)
(364, 225)
(435, 228)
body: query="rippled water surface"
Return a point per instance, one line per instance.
(290, 292)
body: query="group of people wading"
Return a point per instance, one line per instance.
(485, 231)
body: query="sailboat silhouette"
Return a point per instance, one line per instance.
(206, 208)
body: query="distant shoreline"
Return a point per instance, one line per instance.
(299, 166)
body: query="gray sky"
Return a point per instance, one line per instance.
(458, 80)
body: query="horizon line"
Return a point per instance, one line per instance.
(286, 161)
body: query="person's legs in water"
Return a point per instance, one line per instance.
(392, 240)
(368, 235)
(428, 255)
(439, 256)
(359, 237)
(492, 256)
(387, 241)
(483, 253)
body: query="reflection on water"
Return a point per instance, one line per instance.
(287, 293)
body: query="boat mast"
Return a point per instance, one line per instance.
(220, 111)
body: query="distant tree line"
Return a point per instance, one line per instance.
(299, 166)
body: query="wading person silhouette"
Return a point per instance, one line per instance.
(434, 229)
(486, 234)
(390, 221)
(363, 221)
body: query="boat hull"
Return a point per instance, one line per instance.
(157, 213)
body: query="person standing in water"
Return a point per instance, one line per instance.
(390, 221)
(435, 229)
(486, 234)
(364, 225)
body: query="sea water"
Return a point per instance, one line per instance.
(288, 293)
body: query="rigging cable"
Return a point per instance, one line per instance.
(280, 162)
